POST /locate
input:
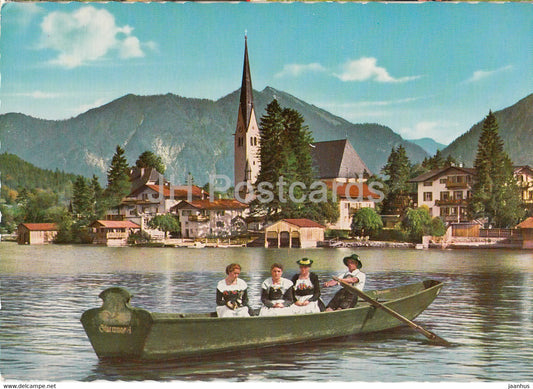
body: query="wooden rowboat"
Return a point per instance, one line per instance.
(117, 330)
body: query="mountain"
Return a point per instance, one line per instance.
(190, 135)
(515, 128)
(429, 145)
(17, 174)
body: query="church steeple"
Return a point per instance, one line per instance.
(246, 100)
(247, 136)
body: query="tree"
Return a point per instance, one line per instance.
(118, 181)
(438, 228)
(416, 222)
(366, 221)
(149, 159)
(495, 193)
(99, 206)
(81, 198)
(36, 206)
(270, 156)
(167, 223)
(287, 170)
(397, 169)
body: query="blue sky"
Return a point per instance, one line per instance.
(423, 69)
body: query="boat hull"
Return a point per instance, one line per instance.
(157, 336)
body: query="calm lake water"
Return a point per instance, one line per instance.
(485, 309)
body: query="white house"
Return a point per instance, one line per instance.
(216, 218)
(352, 196)
(445, 192)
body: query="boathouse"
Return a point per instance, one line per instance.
(526, 227)
(303, 233)
(36, 233)
(113, 232)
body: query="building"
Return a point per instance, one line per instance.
(337, 161)
(151, 194)
(526, 228)
(210, 218)
(344, 172)
(352, 196)
(524, 178)
(445, 192)
(303, 233)
(246, 137)
(112, 232)
(36, 233)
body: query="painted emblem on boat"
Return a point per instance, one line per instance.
(114, 329)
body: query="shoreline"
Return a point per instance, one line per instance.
(340, 244)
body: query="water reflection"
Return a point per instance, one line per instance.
(485, 310)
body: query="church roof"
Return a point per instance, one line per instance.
(338, 159)
(246, 100)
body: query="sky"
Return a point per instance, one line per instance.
(423, 69)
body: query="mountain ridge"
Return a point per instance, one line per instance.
(192, 135)
(515, 125)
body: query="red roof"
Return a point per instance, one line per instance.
(304, 223)
(351, 190)
(40, 226)
(212, 204)
(180, 192)
(116, 224)
(528, 223)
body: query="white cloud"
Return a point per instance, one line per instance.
(377, 103)
(87, 35)
(366, 68)
(23, 14)
(37, 94)
(296, 70)
(482, 74)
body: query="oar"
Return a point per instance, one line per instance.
(428, 334)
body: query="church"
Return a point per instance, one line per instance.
(337, 163)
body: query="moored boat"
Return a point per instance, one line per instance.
(118, 330)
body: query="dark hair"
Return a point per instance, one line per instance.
(232, 267)
(278, 265)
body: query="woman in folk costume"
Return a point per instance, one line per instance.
(232, 294)
(277, 293)
(306, 289)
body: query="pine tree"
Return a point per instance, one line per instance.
(495, 193)
(99, 206)
(118, 185)
(397, 169)
(271, 130)
(81, 198)
(287, 169)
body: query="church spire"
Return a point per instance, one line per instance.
(246, 100)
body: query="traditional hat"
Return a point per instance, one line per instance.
(304, 262)
(354, 257)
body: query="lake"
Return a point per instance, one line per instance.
(485, 310)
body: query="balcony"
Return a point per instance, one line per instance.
(457, 185)
(440, 203)
(198, 218)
